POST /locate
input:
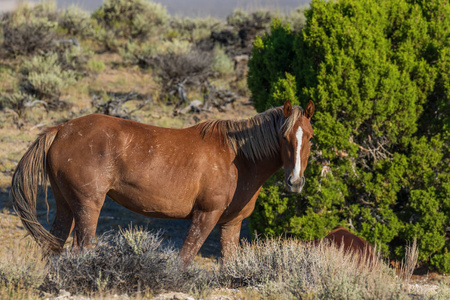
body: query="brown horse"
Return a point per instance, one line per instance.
(210, 173)
(351, 244)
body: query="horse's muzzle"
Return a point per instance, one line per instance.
(295, 186)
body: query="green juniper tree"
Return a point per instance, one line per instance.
(379, 74)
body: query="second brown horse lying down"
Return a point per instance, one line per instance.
(351, 244)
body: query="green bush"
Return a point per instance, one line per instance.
(29, 30)
(135, 19)
(379, 74)
(43, 77)
(272, 57)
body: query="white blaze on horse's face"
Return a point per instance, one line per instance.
(294, 168)
(298, 161)
(296, 145)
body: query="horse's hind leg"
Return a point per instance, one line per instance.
(86, 214)
(63, 223)
(83, 204)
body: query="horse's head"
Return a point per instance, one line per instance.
(296, 145)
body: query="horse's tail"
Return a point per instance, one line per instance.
(30, 174)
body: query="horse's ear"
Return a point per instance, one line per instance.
(309, 110)
(287, 109)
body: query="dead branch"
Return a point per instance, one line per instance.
(115, 105)
(377, 150)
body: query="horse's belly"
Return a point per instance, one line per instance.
(155, 203)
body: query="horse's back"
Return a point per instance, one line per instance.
(151, 170)
(341, 237)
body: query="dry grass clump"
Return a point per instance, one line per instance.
(410, 261)
(22, 272)
(287, 269)
(130, 261)
(22, 269)
(135, 262)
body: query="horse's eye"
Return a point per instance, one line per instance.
(284, 138)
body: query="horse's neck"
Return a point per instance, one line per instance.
(260, 170)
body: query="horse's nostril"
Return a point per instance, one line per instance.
(288, 181)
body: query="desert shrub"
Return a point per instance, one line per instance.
(19, 103)
(136, 19)
(76, 22)
(21, 276)
(257, 20)
(29, 30)
(221, 63)
(95, 66)
(128, 261)
(177, 46)
(44, 9)
(249, 25)
(183, 67)
(286, 269)
(22, 270)
(193, 30)
(107, 39)
(380, 155)
(138, 54)
(296, 18)
(72, 56)
(43, 77)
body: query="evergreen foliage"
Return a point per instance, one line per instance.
(378, 72)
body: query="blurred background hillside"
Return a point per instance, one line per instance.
(194, 8)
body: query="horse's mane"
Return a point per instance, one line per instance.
(257, 137)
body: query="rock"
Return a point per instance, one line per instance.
(63, 294)
(195, 106)
(174, 296)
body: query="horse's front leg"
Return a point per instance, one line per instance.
(229, 237)
(202, 224)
